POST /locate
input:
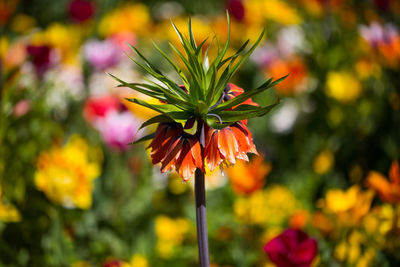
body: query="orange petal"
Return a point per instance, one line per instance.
(241, 128)
(185, 164)
(394, 172)
(380, 184)
(162, 141)
(212, 153)
(196, 153)
(227, 144)
(169, 161)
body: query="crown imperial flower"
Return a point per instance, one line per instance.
(202, 119)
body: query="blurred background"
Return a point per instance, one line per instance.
(73, 193)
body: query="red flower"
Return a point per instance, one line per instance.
(230, 143)
(81, 10)
(292, 248)
(99, 106)
(176, 149)
(113, 263)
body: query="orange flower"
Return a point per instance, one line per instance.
(228, 144)
(297, 78)
(176, 149)
(388, 191)
(299, 219)
(245, 178)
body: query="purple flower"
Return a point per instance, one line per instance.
(102, 54)
(373, 34)
(118, 129)
(292, 248)
(376, 34)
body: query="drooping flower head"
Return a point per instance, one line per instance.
(202, 118)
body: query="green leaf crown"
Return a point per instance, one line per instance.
(205, 86)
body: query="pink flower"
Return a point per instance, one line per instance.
(118, 129)
(122, 39)
(102, 54)
(21, 108)
(81, 10)
(292, 248)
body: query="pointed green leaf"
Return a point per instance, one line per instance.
(142, 139)
(156, 119)
(165, 108)
(237, 100)
(244, 112)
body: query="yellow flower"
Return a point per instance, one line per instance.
(366, 68)
(8, 213)
(81, 264)
(343, 86)
(134, 18)
(366, 258)
(65, 174)
(323, 162)
(139, 260)
(275, 10)
(176, 185)
(4, 43)
(379, 222)
(272, 206)
(350, 250)
(170, 234)
(349, 206)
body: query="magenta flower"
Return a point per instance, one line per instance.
(236, 9)
(40, 57)
(102, 54)
(118, 129)
(292, 248)
(382, 4)
(81, 10)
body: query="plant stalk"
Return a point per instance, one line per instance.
(201, 219)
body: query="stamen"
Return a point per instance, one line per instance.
(215, 115)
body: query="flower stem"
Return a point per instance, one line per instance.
(201, 219)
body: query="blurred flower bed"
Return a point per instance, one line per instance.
(325, 190)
